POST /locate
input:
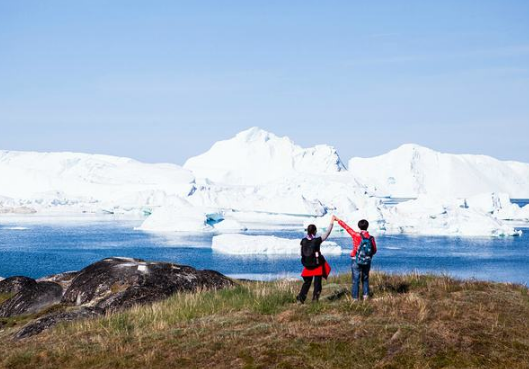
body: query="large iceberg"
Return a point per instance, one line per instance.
(88, 182)
(255, 157)
(412, 170)
(258, 181)
(239, 244)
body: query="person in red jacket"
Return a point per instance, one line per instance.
(360, 267)
(320, 269)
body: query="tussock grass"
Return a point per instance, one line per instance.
(411, 321)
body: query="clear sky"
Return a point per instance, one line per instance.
(163, 80)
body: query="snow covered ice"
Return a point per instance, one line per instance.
(240, 244)
(86, 182)
(259, 181)
(412, 170)
(429, 216)
(255, 157)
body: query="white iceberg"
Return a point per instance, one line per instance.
(430, 216)
(264, 182)
(255, 157)
(499, 205)
(229, 225)
(238, 244)
(64, 179)
(180, 216)
(273, 199)
(412, 170)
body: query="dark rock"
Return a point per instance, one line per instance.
(51, 320)
(64, 279)
(118, 283)
(337, 294)
(110, 284)
(32, 299)
(16, 284)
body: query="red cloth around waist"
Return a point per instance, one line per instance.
(317, 271)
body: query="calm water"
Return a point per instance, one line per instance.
(43, 248)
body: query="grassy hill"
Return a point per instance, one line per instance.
(412, 321)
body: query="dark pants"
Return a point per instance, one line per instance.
(360, 271)
(307, 281)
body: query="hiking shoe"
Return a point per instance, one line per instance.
(300, 300)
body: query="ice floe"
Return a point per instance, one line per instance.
(239, 244)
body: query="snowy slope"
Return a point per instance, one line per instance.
(255, 157)
(411, 170)
(48, 179)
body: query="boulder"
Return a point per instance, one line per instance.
(14, 285)
(107, 285)
(48, 321)
(32, 299)
(117, 283)
(64, 279)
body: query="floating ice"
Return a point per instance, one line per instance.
(429, 216)
(268, 245)
(411, 170)
(265, 182)
(180, 216)
(499, 205)
(255, 157)
(85, 181)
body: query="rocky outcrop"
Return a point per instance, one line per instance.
(53, 319)
(32, 299)
(117, 283)
(107, 285)
(14, 285)
(64, 279)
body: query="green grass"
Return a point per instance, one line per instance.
(412, 321)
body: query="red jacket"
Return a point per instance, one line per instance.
(357, 238)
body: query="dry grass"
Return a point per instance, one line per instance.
(412, 321)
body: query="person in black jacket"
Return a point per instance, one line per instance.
(315, 266)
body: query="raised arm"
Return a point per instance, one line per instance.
(347, 228)
(329, 230)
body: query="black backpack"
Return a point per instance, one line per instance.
(308, 253)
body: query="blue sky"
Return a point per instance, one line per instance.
(163, 80)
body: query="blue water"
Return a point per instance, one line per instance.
(520, 202)
(48, 248)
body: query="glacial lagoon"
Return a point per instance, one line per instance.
(39, 246)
